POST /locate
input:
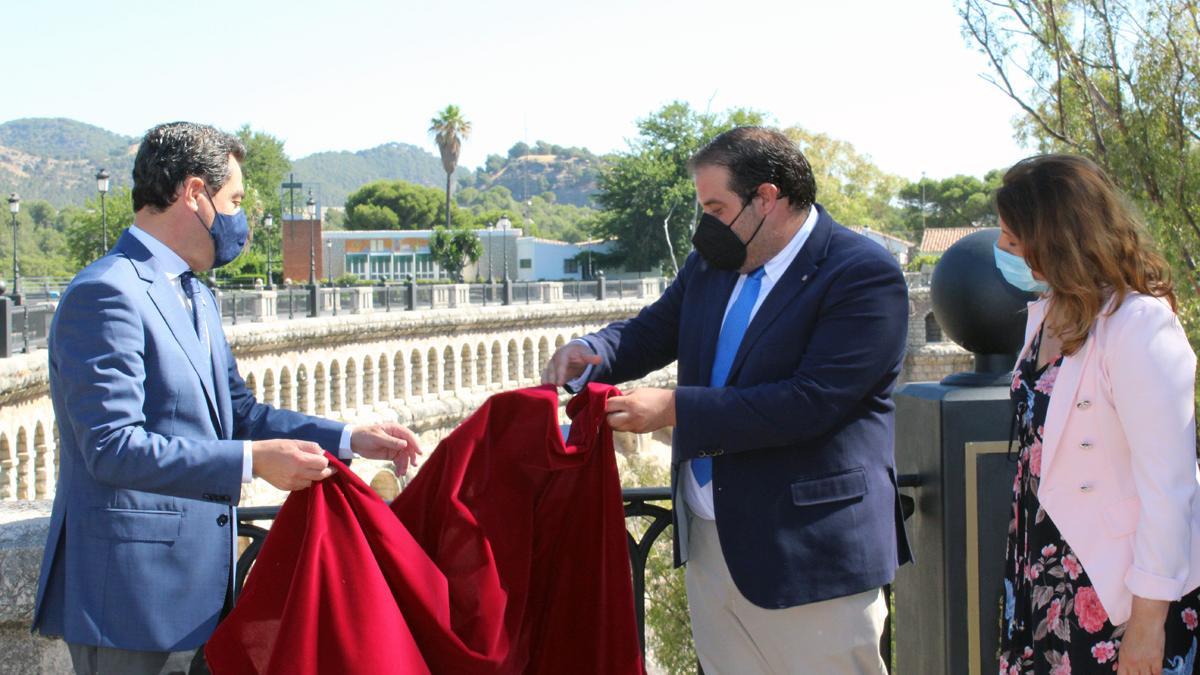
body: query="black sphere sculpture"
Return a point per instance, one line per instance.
(978, 309)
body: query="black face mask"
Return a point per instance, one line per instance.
(719, 245)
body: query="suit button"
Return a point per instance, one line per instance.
(1086, 445)
(1083, 405)
(1086, 487)
(222, 520)
(718, 451)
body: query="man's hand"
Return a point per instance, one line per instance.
(1141, 651)
(388, 441)
(569, 362)
(643, 411)
(290, 465)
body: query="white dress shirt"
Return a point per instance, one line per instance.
(173, 267)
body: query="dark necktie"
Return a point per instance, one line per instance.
(191, 287)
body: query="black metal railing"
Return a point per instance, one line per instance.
(24, 328)
(638, 504)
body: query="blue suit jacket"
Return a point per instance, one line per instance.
(804, 481)
(142, 532)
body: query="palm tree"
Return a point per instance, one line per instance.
(449, 130)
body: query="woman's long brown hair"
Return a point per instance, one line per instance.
(1079, 233)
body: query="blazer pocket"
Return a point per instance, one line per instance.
(1121, 518)
(834, 487)
(135, 525)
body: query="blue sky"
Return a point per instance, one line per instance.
(896, 79)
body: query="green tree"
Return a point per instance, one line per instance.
(84, 237)
(41, 250)
(957, 201)
(414, 207)
(450, 129)
(454, 249)
(1119, 83)
(649, 184)
(849, 185)
(265, 166)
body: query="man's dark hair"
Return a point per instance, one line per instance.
(757, 155)
(171, 153)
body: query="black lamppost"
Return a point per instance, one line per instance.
(14, 207)
(310, 209)
(268, 228)
(327, 261)
(491, 243)
(102, 186)
(503, 224)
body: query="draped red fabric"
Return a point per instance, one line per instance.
(506, 554)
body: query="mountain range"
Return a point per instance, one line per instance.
(56, 159)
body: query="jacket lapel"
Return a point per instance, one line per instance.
(220, 366)
(1066, 391)
(165, 299)
(720, 286)
(794, 280)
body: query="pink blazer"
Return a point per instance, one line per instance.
(1118, 471)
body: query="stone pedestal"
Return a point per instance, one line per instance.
(948, 603)
(648, 288)
(362, 299)
(552, 291)
(329, 296)
(451, 295)
(263, 307)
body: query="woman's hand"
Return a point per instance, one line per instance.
(1141, 651)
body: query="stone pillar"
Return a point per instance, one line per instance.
(263, 306)
(363, 298)
(329, 296)
(23, 529)
(648, 288)
(552, 291)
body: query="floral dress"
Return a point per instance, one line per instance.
(1053, 622)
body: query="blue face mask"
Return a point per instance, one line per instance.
(1017, 273)
(229, 233)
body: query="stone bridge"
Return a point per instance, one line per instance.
(427, 369)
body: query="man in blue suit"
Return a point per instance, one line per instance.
(158, 431)
(789, 332)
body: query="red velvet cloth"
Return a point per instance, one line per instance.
(506, 554)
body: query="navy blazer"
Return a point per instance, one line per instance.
(804, 479)
(143, 529)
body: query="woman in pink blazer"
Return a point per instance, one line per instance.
(1103, 559)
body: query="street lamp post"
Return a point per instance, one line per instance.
(268, 228)
(310, 209)
(14, 207)
(503, 224)
(102, 186)
(491, 244)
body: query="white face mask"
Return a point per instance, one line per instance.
(1017, 272)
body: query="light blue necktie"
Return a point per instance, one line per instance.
(732, 332)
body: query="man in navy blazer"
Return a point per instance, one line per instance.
(158, 431)
(789, 332)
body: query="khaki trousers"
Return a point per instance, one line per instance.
(734, 636)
